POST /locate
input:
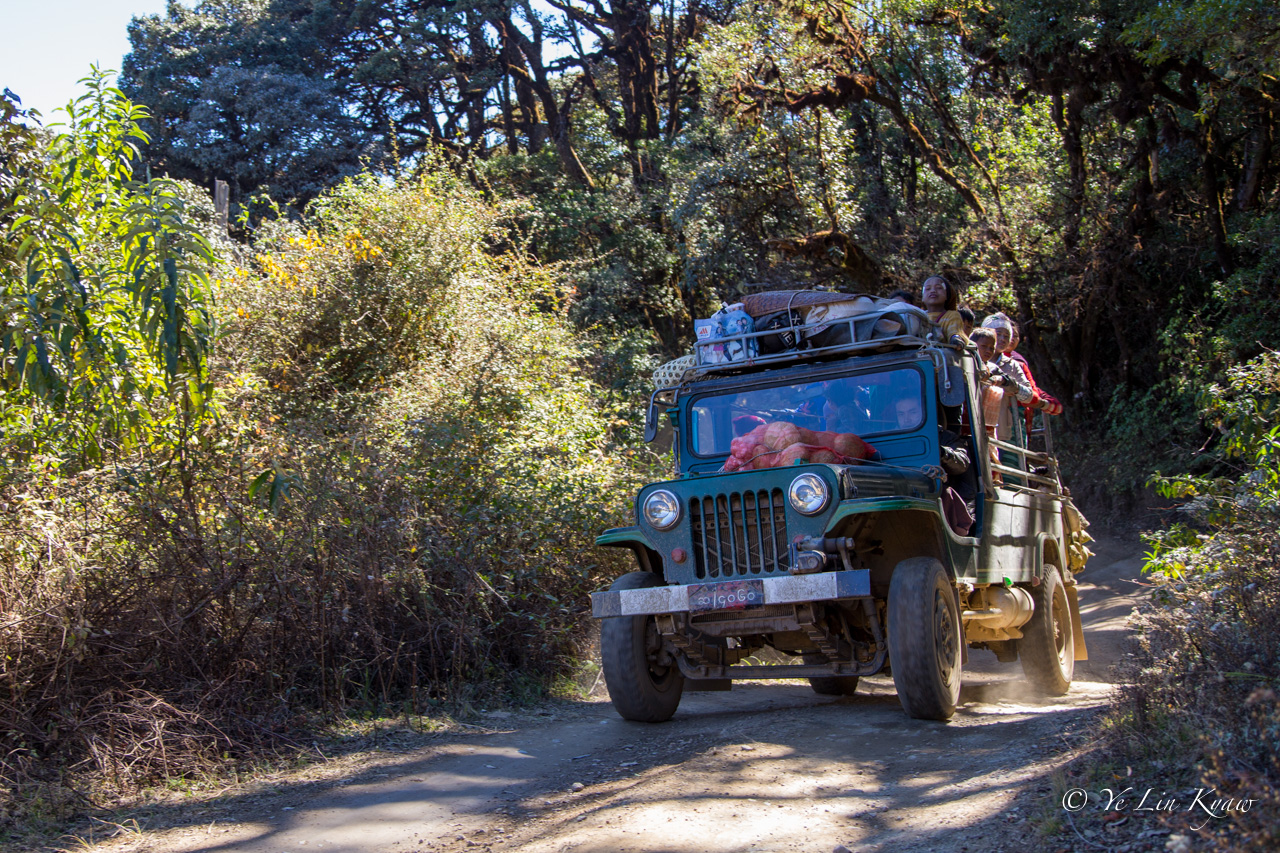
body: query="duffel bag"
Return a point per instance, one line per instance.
(787, 325)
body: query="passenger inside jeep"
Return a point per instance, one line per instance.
(908, 412)
(960, 493)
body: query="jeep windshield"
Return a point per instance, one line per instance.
(866, 404)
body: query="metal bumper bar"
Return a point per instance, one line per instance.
(787, 589)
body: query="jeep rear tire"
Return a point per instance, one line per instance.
(1048, 644)
(924, 639)
(831, 685)
(641, 687)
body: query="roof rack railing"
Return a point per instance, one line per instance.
(747, 342)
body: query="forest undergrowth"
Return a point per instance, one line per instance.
(384, 501)
(1196, 720)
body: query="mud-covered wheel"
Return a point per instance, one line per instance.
(642, 686)
(831, 685)
(924, 639)
(1048, 645)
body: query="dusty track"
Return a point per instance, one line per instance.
(767, 767)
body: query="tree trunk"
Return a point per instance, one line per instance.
(526, 66)
(870, 154)
(508, 116)
(631, 26)
(1211, 191)
(573, 166)
(1259, 148)
(1067, 117)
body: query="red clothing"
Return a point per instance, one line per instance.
(1043, 400)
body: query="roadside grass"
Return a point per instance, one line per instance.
(1188, 756)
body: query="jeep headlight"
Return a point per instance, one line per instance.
(662, 509)
(809, 494)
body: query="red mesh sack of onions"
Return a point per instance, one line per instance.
(778, 445)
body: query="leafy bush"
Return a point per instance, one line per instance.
(104, 322)
(394, 508)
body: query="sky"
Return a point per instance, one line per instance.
(49, 44)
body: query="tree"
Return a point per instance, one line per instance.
(1072, 232)
(238, 92)
(104, 325)
(265, 91)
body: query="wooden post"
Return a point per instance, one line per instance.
(222, 203)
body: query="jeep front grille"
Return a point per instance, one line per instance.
(739, 533)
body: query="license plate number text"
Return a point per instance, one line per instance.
(727, 595)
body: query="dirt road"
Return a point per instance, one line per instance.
(766, 767)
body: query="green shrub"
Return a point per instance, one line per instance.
(394, 509)
(105, 326)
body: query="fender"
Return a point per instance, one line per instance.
(858, 506)
(954, 552)
(647, 557)
(933, 506)
(1047, 553)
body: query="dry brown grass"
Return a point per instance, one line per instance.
(1199, 707)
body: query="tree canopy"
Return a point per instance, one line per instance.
(1106, 171)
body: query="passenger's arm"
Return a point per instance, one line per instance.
(955, 458)
(1044, 401)
(1048, 403)
(1021, 387)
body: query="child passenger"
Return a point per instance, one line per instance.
(1015, 379)
(993, 384)
(941, 299)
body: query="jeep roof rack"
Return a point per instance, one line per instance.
(749, 340)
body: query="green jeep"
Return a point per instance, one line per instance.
(842, 570)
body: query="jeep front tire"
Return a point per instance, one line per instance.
(924, 639)
(642, 685)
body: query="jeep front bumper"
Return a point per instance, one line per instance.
(783, 589)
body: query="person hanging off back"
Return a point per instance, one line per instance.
(992, 384)
(941, 299)
(1049, 404)
(1041, 399)
(1018, 384)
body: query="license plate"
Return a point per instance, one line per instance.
(727, 595)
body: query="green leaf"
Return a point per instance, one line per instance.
(259, 481)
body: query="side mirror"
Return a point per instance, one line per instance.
(651, 419)
(950, 379)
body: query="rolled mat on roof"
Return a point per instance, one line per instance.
(761, 304)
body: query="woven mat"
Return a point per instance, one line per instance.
(675, 372)
(760, 304)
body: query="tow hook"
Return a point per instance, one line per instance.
(811, 554)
